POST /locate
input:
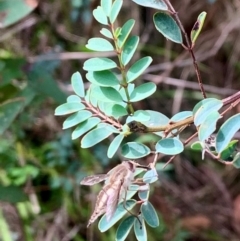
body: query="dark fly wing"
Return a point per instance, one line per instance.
(94, 179)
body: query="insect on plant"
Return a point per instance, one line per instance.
(114, 190)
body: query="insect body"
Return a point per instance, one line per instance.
(116, 183)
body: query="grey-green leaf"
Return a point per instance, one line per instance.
(95, 136)
(102, 78)
(208, 126)
(106, 5)
(99, 44)
(125, 31)
(156, 4)
(169, 146)
(129, 49)
(116, 7)
(167, 26)
(143, 91)
(85, 126)
(116, 142)
(150, 215)
(69, 108)
(77, 84)
(107, 33)
(98, 64)
(73, 98)
(140, 229)
(138, 68)
(134, 150)
(124, 228)
(104, 225)
(100, 16)
(226, 132)
(106, 94)
(76, 118)
(150, 176)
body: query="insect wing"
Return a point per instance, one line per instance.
(94, 179)
(113, 199)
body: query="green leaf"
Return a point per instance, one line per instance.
(236, 160)
(159, 4)
(149, 214)
(85, 126)
(133, 150)
(169, 146)
(116, 142)
(226, 132)
(143, 91)
(76, 118)
(77, 84)
(198, 27)
(208, 126)
(95, 136)
(117, 5)
(106, 94)
(98, 64)
(167, 26)
(12, 194)
(107, 33)
(140, 229)
(104, 225)
(73, 98)
(109, 127)
(144, 194)
(106, 5)
(125, 31)
(124, 228)
(100, 16)
(139, 115)
(129, 49)
(114, 110)
(103, 78)
(196, 146)
(156, 119)
(229, 150)
(8, 112)
(138, 68)
(150, 176)
(99, 44)
(12, 11)
(69, 108)
(181, 116)
(205, 109)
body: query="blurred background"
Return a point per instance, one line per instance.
(41, 45)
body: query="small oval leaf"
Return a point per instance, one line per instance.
(98, 64)
(129, 49)
(100, 16)
(167, 26)
(159, 4)
(95, 136)
(226, 132)
(169, 146)
(76, 118)
(149, 214)
(138, 68)
(198, 27)
(116, 142)
(150, 176)
(107, 33)
(116, 7)
(77, 84)
(140, 229)
(125, 31)
(69, 108)
(124, 228)
(84, 127)
(99, 44)
(134, 150)
(143, 91)
(104, 225)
